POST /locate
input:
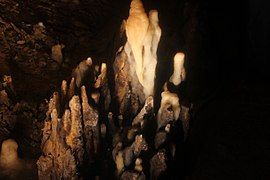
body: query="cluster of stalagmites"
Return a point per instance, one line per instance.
(82, 139)
(77, 136)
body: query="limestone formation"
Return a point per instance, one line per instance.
(80, 133)
(179, 73)
(136, 29)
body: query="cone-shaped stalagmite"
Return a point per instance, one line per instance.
(74, 138)
(57, 161)
(91, 127)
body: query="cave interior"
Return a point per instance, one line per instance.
(226, 48)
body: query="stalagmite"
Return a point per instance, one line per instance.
(54, 103)
(57, 161)
(136, 29)
(64, 91)
(148, 107)
(150, 53)
(154, 24)
(81, 71)
(66, 119)
(171, 99)
(179, 73)
(128, 155)
(71, 89)
(101, 77)
(74, 138)
(57, 53)
(9, 156)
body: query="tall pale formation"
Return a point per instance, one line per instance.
(136, 30)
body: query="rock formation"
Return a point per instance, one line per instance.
(136, 29)
(80, 133)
